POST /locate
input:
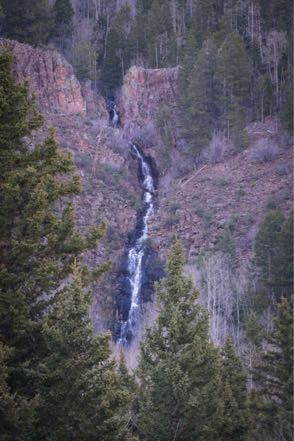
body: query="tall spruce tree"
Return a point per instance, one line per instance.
(274, 254)
(28, 21)
(63, 13)
(81, 394)
(274, 379)
(196, 98)
(236, 417)
(233, 80)
(39, 241)
(179, 396)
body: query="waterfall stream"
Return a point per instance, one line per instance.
(136, 253)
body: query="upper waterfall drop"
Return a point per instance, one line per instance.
(136, 253)
(114, 114)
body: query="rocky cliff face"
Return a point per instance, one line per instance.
(50, 76)
(144, 92)
(199, 207)
(108, 174)
(215, 207)
(199, 204)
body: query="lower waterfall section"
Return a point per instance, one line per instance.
(137, 256)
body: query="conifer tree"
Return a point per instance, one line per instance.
(178, 367)
(196, 98)
(63, 12)
(118, 51)
(27, 21)
(274, 254)
(237, 425)
(233, 79)
(274, 379)
(38, 237)
(81, 395)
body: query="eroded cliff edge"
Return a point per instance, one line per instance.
(211, 204)
(109, 177)
(216, 204)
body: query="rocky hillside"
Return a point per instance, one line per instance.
(226, 187)
(143, 93)
(108, 174)
(231, 194)
(218, 204)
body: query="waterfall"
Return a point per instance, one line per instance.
(115, 117)
(136, 253)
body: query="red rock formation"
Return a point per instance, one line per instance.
(143, 92)
(50, 76)
(81, 119)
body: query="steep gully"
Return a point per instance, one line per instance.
(137, 251)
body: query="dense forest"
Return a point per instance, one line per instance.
(58, 380)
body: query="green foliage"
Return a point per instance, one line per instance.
(27, 21)
(83, 58)
(274, 377)
(187, 390)
(226, 244)
(63, 12)
(254, 333)
(287, 106)
(46, 367)
(276, 14)
(233, 74)
(81, 393)
(196, 98)
(274, 254)
(178, 367)
(236, 416)
(153, 33)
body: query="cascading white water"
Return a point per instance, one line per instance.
(136, 253)
(115, 117)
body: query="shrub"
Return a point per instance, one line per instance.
(264, 151)
(222, 181)
(271, 204)
(83, 160)
(146, 137)
(173, 207)
(118, 142)
(240, 193)
(171, 221)
(218, 147)
(282, 170)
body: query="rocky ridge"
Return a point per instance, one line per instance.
(143, 93)
(108, 175)
(199, 206)
(237, 189)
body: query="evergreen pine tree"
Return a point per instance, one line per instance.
(233, 80)
(27, 21)
(196, 98)
(16, 413)
(38, 237)
(63, 12)
(118, 51)
(237, 425)
(274, 379)
(274, 254)
(81, 394)
(178, 367)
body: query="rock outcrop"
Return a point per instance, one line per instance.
(144, 92)
(110, 188)
(50, 76)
